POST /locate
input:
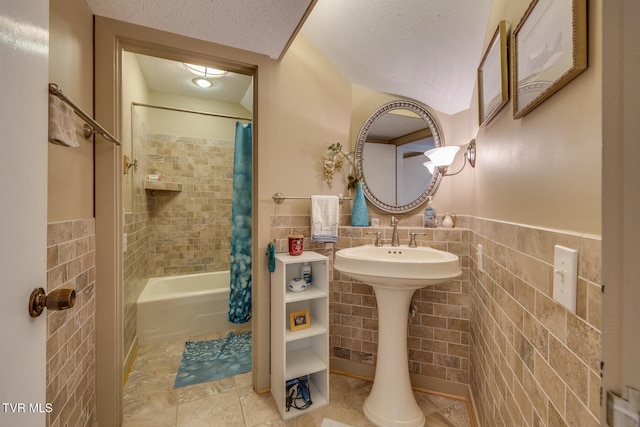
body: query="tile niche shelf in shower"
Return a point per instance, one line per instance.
(162, 185)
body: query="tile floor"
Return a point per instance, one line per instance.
(151, 401)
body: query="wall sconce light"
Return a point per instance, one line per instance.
(442, 157)
(429, 165)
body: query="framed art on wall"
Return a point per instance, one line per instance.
(493, 76)
(549, 49)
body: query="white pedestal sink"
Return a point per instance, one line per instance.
(395, 272)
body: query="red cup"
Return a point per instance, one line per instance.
(295, 244)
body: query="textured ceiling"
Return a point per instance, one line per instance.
(427, 50)
(163, 75)
(262, 26)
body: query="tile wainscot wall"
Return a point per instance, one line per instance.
(494, 335)
(71, 359)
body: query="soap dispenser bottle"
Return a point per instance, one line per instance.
(430, 215)
(306, 273)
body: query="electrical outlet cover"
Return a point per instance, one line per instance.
(565, 277)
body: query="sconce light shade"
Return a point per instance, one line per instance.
(430, 166)
(442, 157)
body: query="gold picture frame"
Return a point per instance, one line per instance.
(299, 320)
(549, 49)
(493, 76)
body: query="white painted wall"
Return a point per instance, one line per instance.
(24, 53)
(544, 169)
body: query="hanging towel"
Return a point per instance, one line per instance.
(62, 123)
(325, 212)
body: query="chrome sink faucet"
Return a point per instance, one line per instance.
(395, 240)
(412, 239)
(378, 238)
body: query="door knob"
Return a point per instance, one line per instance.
(60, 299)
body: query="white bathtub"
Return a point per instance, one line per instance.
(176, 307)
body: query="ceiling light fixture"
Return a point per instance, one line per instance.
(205, 72)
(442, 157)
(203, 83)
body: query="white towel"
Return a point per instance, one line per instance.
(325, 212)
(62, 123)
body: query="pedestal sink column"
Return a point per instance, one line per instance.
(391, 401)
(395, 273)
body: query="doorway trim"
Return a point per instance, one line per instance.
(111, 39)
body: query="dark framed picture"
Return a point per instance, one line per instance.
(549, 49)
(299, 320)
(493, 76)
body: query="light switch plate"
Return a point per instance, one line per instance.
(565, 276)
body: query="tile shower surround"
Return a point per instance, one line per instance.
(173, 233)
(527, 360)
(136, 226)
(71, 333)
(190, 230)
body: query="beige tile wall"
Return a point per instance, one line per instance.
(190, 230)
(71, 333)
(172, 233)
(135, 273)
(534, 362)
(528, 361)
(438, 335)
(136, 227)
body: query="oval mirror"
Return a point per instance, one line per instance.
(390, 156)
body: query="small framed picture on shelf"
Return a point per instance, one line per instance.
(299, 320)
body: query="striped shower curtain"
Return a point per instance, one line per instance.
(240, 257)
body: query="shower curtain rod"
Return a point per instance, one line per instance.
(182, 110)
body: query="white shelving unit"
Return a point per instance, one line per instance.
(305, 351)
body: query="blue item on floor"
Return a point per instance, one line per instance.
(204, 361)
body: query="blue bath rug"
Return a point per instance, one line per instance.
(204, 361)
